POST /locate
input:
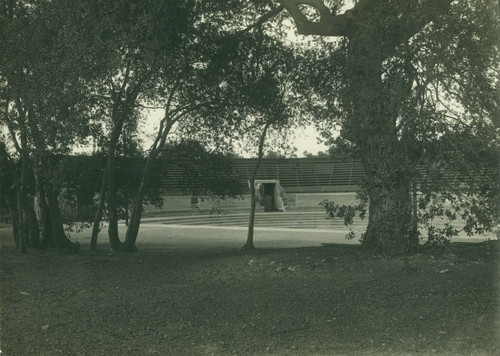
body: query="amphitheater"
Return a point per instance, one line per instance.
(306, 182)
(185, 221)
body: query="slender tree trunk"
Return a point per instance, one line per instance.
(34, 228)
(23, 198)
(99, 212)
(16, 228)
(253, 199)
(251, 219)
(413, 237)
(136, 211)
(30, 232)
(122, 107)
(47, 239)
(14, 213)
(10, 197)
(114, 239)
(63, 244)
(125, 193)
(126, 210)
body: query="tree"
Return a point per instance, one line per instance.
(389, 81)
(9, 189)
(266, 98)
(180, 59)
(137, 46)
(194, 92)
(42, 89)
(320, 154)
(251, 76)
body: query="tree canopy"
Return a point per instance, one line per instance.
(409, 87)
(413, 86)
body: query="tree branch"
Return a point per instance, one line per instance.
(328, 25)
(270, 14)
(10, 126)
(166, 122)
(13, 135)
(149, 107)
(171, 96)
(262, 139)
(412, 17)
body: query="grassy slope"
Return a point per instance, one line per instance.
(308, 301)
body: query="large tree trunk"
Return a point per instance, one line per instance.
(372, 125)
(389, 218)
(253, 199)
(374, 30)
(388, 185)
(99, 212)
(63, 244)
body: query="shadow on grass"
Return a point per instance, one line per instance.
(321, 301)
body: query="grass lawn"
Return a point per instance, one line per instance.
(308, 301)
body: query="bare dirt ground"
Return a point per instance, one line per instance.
(225, 301)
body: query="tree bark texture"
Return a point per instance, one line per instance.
(136, 211)
(251, 219)
(253, 199)
(22, 196)
(34, 229)
(114, 239)
(63, 244)
(99, 212)
(14, 213)
(375, 29)
(122, 107)
(10, 195)
(47, 240)
(373, 128)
